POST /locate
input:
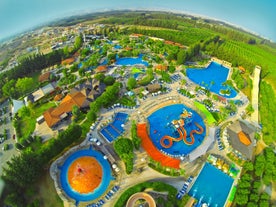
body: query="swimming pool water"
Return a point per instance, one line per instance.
(131, 61)
(212, 186)
(106, 177)
(159, 122)
(211, 78)
(114, 129)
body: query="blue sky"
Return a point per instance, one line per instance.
(254, 15)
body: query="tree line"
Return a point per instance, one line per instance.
(254, 176)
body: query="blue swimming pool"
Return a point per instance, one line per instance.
(115, 129)
(212, 186)
(131, 61)
(211, 78)
(160, 125)
(106, 177)
(117, 46)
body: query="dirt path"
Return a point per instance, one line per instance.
(260, 147)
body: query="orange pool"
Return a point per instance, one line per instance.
(85, 174)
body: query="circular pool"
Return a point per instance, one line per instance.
(85, 175)
(176, 130)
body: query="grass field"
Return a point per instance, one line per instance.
(46, 193)
(209, 117)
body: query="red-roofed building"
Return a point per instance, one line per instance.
(44, 77)
(222, 99)
(101, 69)
(54, 115)
(68, 61)
(161, 67)
(242, 69)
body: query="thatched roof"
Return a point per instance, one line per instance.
(153, 87)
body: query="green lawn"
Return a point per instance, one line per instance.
(209, 116)
(28, 122)
(46, 193)
(136, 70)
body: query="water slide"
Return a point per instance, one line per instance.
(195, 131)
(182, 135)
(172, 139)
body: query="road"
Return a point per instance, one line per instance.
(6, 155)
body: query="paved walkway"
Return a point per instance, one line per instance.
(255, 95)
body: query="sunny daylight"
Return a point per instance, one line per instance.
(137, 103)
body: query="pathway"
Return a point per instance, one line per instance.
(255, 95)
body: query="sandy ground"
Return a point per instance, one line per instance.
(260, 147)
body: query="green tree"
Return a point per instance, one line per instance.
(99, 77)
(109, 80)
(24, 85)
(78, 42)
(131, 83)
(181, 57)
(9, 88)
(249, 109)
(171, 68)
(92, 116)
(82, 71)
(76, 112)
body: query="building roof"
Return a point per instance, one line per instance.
(138, 90)
(222, 99)
(53, 115)
(91, 89)
(153, 87)
(44, 77)
(68, 61)
(161, 67)
(244, 138)
(136, 35)
(48, 88)
(241, 137)
(101, 69)
(58, 97)
(17, 104)
(242, 69)
(41, 92)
